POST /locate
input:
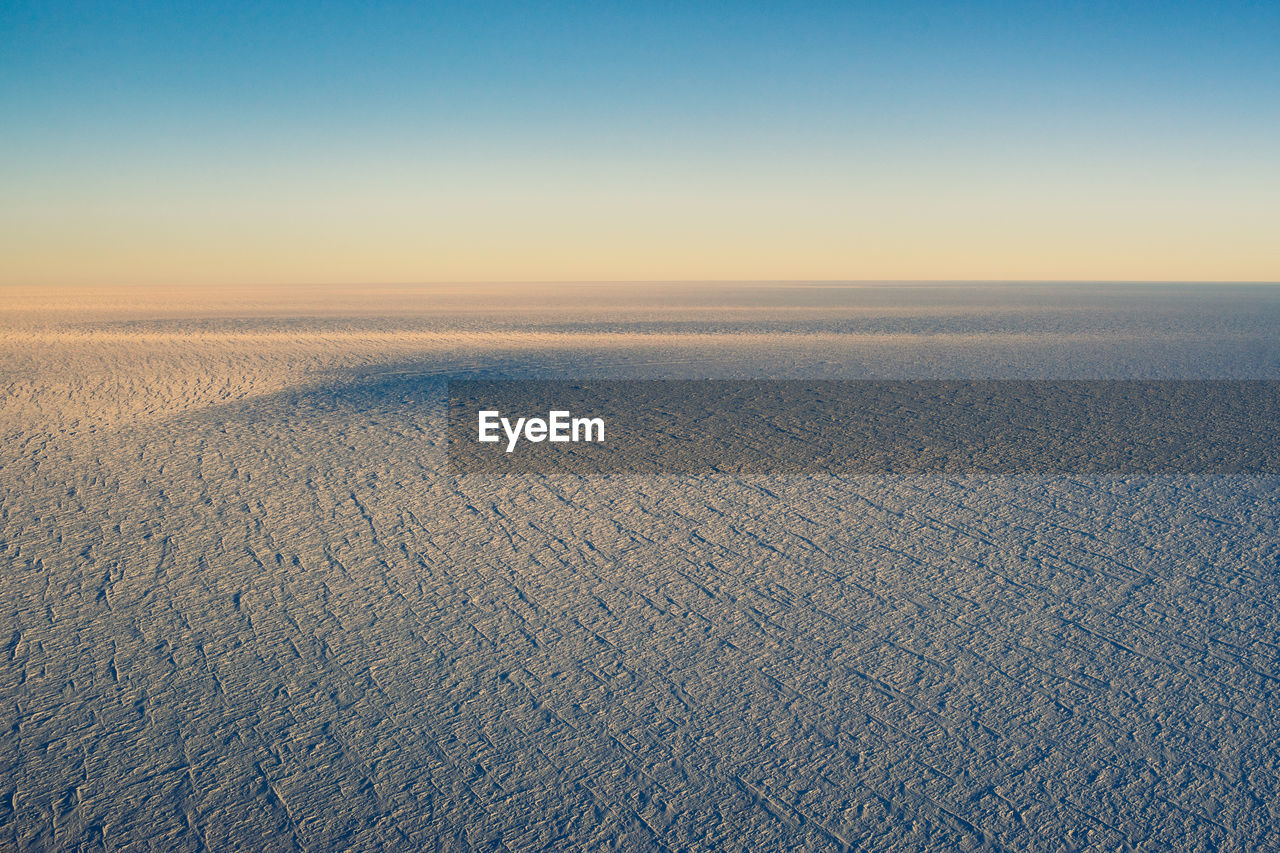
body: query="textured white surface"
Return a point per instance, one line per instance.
(241, 607)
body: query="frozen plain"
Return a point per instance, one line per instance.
(242, 608)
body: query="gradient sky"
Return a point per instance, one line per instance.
(160, 142)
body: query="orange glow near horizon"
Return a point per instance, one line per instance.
(728, 235)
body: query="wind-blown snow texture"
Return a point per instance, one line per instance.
(242, 608)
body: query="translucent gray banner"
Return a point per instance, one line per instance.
(860, 427)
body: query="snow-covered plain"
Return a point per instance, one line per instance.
(241, 607)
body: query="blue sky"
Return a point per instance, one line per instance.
(398, 141)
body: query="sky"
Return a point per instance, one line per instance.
(348, 142)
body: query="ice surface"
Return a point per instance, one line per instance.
(242, 608)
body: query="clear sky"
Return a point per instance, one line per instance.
(162, 142)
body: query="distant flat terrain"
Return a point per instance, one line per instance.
(242, 606)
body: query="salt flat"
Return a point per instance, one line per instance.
(242, 607)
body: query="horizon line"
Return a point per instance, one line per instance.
(646, 281)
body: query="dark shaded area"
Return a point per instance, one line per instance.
(879, 427)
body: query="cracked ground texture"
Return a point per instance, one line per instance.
(243, 607)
